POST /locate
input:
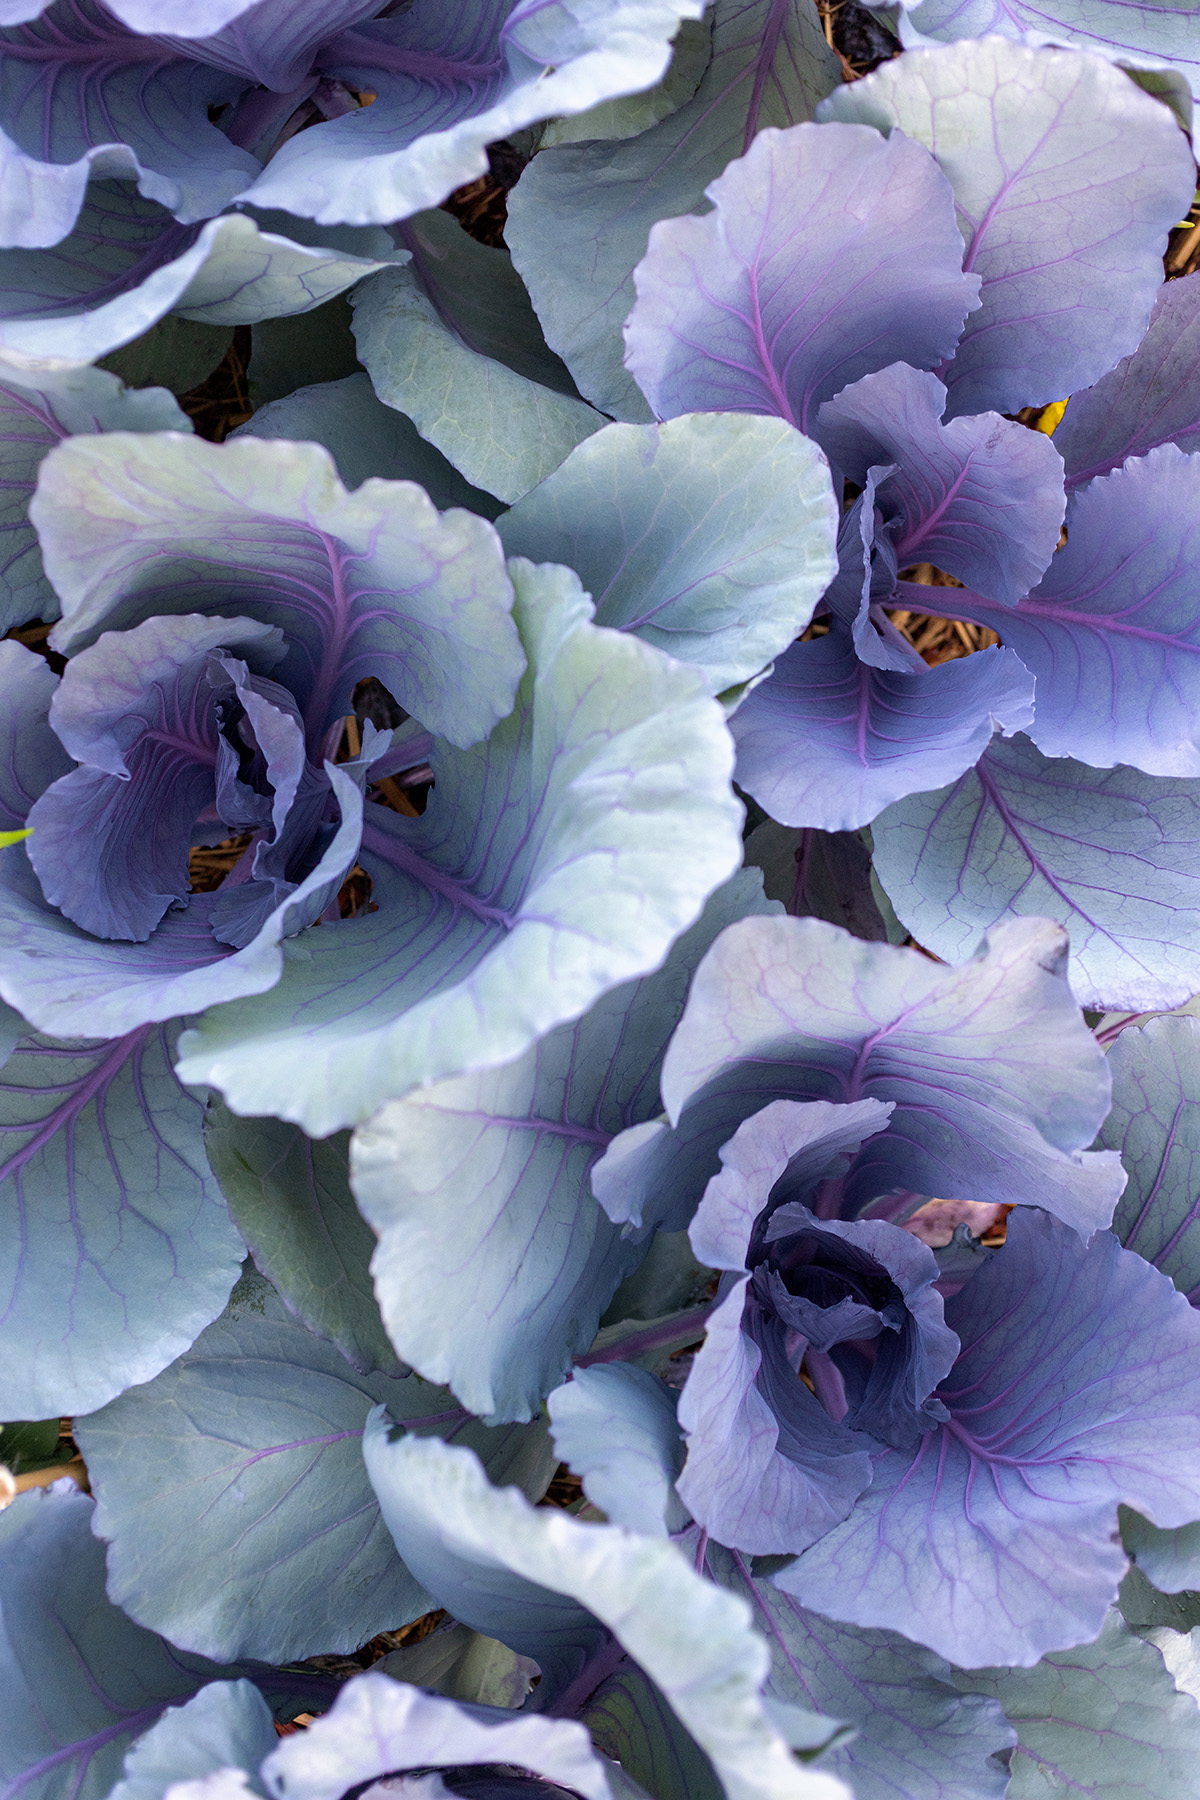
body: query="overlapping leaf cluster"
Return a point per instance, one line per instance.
(510, 961)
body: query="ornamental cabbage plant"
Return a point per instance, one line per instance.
(564, 1234)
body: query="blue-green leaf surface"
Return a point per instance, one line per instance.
(233, 1497)
(494, 1262)
(712, 536)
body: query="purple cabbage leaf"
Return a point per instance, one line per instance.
(587, 1601)
(127, 263)
(359, 119)
(448, 80)
(691, 50)
(1067, 179)
(454, 343)
(771, 1465)
(829, 252)
(553, 863)
(1073, 1391)
(1152, 397)
(996, 1083)
(143, 712)
(915, 1736)
(980, 497)
(1109, 853)
(615, 1427)
(38, 409)
(710, 536)
(1105, 1716)
(1168, 1558)
(252, 1530)
(478, 1189)
(628, 117)
(1110, 634)
(370, 583)
(168, 536)
(580, 216)
(1146, 34)
(501, 430)
(828, 741)
(82, 97)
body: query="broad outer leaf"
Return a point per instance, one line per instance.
(1074, 1391)
(79, 1681)
(824, 875)
(55, 304)
(615, 1427)
(1146, 33)
(1109, 853)
(711, 536)
(557, 861)
(1067, 179)
(997, 1083)
(31, 756)
(115, 1242)
(1111, 634)
(1152, 397)
(478, 293)
(232, 1493)
(828, 253)
(494, 1262)
(37, 411)
(555, 1588)
(378, 1725)
(1169, 1559)
(1156, 1085)
(370, 583)
(502, 432)
(691, 49)
(227, 1725)
(827, 741)
(633, 114)
(1154, 1126)
(580, 217)
(1104, 1720)
(365, 438)
(1144, 1606)
(631, 1722)
(289, 1196)
(915, 1737)
(464, 1665)
(306, 350)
